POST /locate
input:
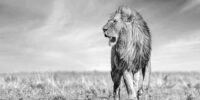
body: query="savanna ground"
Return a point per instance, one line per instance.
(93, 86)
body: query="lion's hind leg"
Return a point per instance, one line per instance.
(144, 90)
(138, 80)
(146, 73)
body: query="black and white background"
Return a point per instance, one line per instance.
(66, 35)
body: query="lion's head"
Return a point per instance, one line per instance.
(119, 21)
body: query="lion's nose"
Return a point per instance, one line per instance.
(105, 29)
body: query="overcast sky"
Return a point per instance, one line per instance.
(65, 35)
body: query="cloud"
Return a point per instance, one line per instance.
(180, 53)
(186, 43)
(66, 42)
(190, 5)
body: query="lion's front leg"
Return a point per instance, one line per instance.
(130, 85)
(116, 77)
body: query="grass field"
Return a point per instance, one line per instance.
(93, 86)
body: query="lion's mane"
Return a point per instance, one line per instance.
(133, 48)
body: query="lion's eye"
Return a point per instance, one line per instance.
(114, 20)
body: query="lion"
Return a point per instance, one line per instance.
(130, 39)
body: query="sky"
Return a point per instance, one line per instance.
(66, 35)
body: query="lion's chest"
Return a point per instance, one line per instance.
(121, 62)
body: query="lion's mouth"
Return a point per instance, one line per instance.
(112, 39)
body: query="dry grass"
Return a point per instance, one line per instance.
(93, 86)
